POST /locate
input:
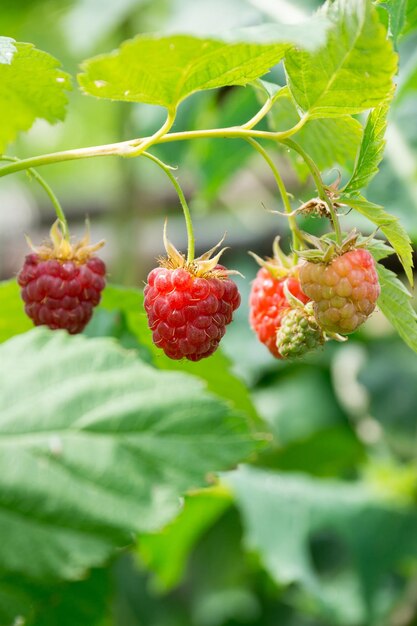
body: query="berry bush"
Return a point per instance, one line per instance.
(220, 439)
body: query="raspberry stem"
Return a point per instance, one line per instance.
(296, 235)
(319, 184)
(187, 215)
(56, 204)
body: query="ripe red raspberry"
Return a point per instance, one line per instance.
(188, 313)
(61, 284)
(268, 305)
(344, 291)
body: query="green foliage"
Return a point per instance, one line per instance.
(13, 320)
(287, 515)
(329, 142)
(389, 225)
(397, 15)
(395, 303)
(166, 70)
(371, 150)
(166, 552)
(352, 73)
(101, 448)
(31, 86)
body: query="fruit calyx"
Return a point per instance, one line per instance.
(280, 265)
(326, 248)
(204, 266)
(61, 249)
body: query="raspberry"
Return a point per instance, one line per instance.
(61, 284)
(299, 333)
(344, 291)
(268, 305)
(188, 314)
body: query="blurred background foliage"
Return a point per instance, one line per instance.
(347, 413)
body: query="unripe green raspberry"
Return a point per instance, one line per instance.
(298, 334)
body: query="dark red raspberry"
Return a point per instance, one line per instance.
(61, 294)
(268, 304)
(188, 313)
(344, 290)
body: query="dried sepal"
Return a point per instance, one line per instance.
(204, 266)
(280, 264)
(60, 248)
(326, 248)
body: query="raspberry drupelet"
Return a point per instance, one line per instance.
(62, 283)
(189, 305)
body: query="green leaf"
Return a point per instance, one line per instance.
(165, 70)
(329, 142)
(371, 149)
(96, 445)
(13, 319)
(216, 371)
(7, 50)
(165, 553)
(286, 514)
(397, 15)
(389, 225)
(395, 303)
(33, 603)
(31, 86)
(352, 73)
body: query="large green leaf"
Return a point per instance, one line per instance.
(284, 514)
(397, 16)
(353, 72)
(165, 70)
(31, 86)
(371, 150)
(329, 142)
(389, 225)
(165, 553)
(395, 303)
(96, 445)
(216, 370)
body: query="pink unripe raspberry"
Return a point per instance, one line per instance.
(344, 291)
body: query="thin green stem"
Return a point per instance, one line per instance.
(55, 202)
(259, 115)
(183, 202)
(135, 147)
(144, 144)
(323, 195)
(296, 235)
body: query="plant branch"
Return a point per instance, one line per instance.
(323, 195)
(183, 202)
(135, 147)
(296, 235)
(56, 204)
(143, 144)
(259, 115)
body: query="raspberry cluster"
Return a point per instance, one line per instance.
(268, 305)
(61, 294)
(187, 313)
